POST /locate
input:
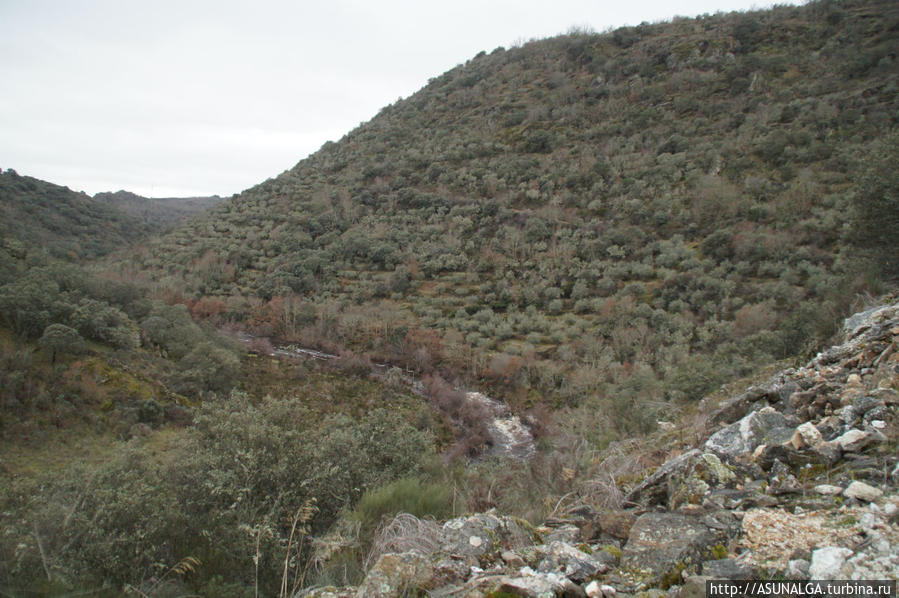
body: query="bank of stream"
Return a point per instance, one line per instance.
(509, 437)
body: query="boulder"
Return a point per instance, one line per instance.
(567, 561)
(855, 441)
(667, 543)
(685, 479)
(862, 491)
(827, 562)
(479, 534)
(766, 425)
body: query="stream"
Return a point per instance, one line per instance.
(509, 437)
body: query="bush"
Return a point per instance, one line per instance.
(406, 495)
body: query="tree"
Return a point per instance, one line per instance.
(59, 339)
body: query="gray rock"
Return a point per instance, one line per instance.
(727, 569)
(757, 428)
(797, 569)
(665, 542)
(827, 562)
(564, 533)
(733, 409)
(479, 534)
(685, 479)
(568, 561)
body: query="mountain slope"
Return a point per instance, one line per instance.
(578, 212)
(158, 213)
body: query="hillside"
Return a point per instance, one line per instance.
(40, 218)
(157, 213)
(40, 221)
(640, 214)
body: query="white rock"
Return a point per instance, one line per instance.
(594, 590)
(878, 424)
(810, 434)
(827, 562)
(475, 541)
(863, 491)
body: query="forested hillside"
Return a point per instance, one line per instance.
(157, 213)
(618, 218)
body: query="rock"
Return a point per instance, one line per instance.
(764, 426)
(797, 569)
(530, 585)
(828, 490)
(479, 534)
(665, 543)
(736, 408)
(693, 587)
(685, 479)
(512, 559)
(616, 523)
(565, 533)
(855, 441)
(596, 590)
(827, 562)
(568, 561)
(395, 575)
(862, 491)
(806, 435)
(727, 569)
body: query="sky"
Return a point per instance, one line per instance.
(195, 97)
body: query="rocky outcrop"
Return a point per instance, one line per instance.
(799, 481)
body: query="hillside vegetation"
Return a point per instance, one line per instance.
(600, 219)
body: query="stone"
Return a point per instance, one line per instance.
(855, 441)
(617, 524)
(828, 490)
(564, 533)
(479, 534)
(862, 491)
(693, 587)
(512, 559)
(766, 425)
(736, 408)
(685, 479)
(797, 569)
(727, 569)
(596, 590)
(395, 575)
(568, 561)
(827, 562)
(666, 542)
(806, 435)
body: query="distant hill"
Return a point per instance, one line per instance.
(38, 218)
(646, 212)
(157, 212)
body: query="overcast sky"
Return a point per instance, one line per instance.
(178, 98)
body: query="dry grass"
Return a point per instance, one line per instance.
(405, 533)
